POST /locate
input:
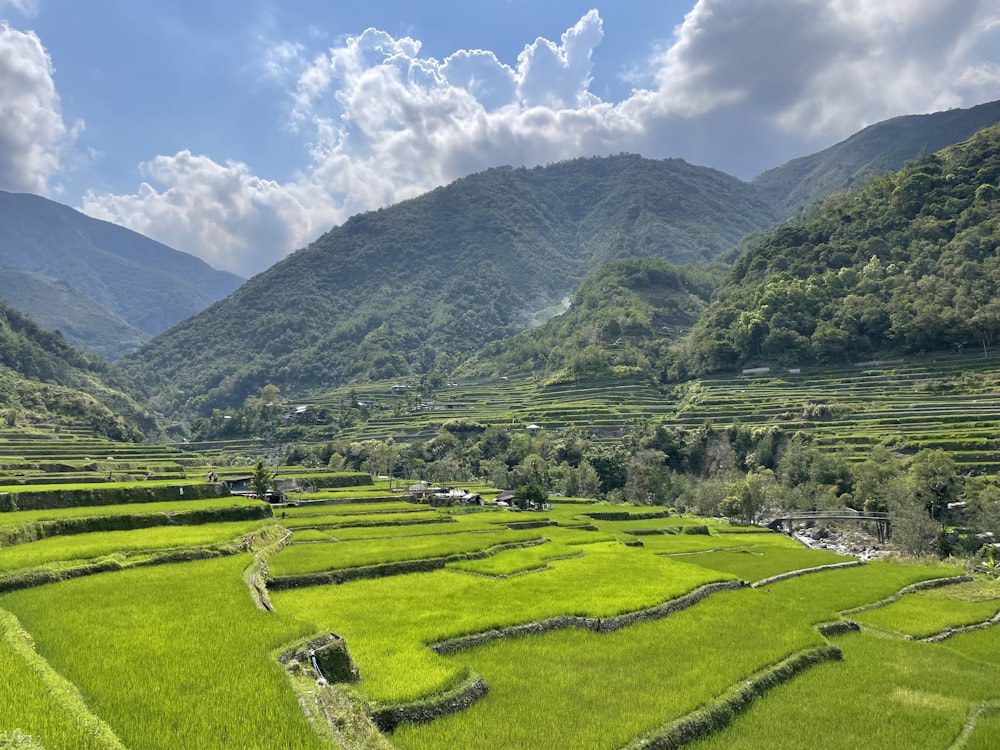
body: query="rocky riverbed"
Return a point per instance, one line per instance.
(844, 541)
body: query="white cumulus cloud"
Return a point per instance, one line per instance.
(33, 136)
(741, 85)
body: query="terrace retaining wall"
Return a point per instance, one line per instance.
(387, 718)
(383, 570)
(49, 499)
(35, 530)
(597, 624)
(721, 711)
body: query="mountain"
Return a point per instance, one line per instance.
(43, 380)
(425, 283)
(907, 264)
(621, 322)
(57, 306)
(139, 282)
(422, 285)
(880, 148)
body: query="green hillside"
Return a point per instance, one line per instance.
(425, 283)
(45, 382)
(130, 277)
(909, 264)
(620, 323)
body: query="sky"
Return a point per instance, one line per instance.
(241, 131)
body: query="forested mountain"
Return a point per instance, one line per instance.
(144, 283)
(43, 380)
(422, 285)
(425, 283)
(880, 148)
(621, 323)
(910, 263)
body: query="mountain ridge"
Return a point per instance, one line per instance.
(142, 282)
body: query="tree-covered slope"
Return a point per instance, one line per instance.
(910, 263)
(147, 284)
(43, 380)
(880, 148)
(620, 323)
(427, 282)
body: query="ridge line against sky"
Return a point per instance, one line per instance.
(239, 132)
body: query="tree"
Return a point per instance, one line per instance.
(531, 493)
(261, 479)
(934, 481)
(913, 530)
(747, 499)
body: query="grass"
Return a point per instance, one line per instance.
(884, 694)
(515, 561)
(352, 508)
(103, 543)
(759, 561)
(171, 656)
(16, 517)
(578, 689)
(37, 702)
(670, 544)
(417, 609)
(315, 558)
(334, 520)
(924, 613)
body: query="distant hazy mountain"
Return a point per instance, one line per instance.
(144, 283)
(56, 306)
(880, 148)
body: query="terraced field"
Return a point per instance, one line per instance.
(951, 404)
(947, 403)
(476, 628)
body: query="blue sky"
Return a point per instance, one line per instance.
(240, 131)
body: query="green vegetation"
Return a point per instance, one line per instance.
(918, 695)
(517, 241)
(390, 650)
(603, 600)
(923, 613)
(903, 266)
(621, 322)
(44, 380)
(314, 558)
(161, 675)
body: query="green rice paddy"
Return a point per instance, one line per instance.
(181, 654)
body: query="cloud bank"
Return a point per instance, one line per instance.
(740, 85)
(33, 136)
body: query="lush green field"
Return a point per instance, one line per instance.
(417, 609)
(575, 688)
(171, 656)
(36, 700)
(178, 655)
(759, 561)
(924, 613)
(102, 543)
(314, 558)
(181, 506)
(885, 693)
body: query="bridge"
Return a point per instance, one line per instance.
(883, 524)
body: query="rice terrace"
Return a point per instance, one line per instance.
(150, 601)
